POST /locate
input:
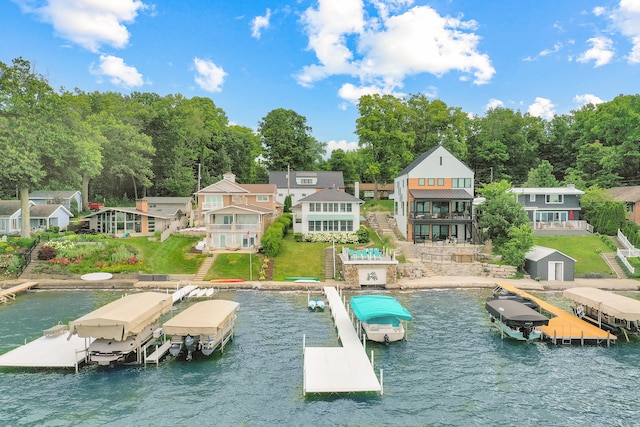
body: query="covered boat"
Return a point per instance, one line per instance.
(122, 327)
(512, 316)
(202, 327)
(381, 317)
(613, 312)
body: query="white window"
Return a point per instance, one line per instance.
(211, 202)
(262, 198)
(532, 197)
(554, 198)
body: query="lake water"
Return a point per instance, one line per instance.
(453, 371)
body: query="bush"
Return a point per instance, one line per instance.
(47, 253)
(363, 234)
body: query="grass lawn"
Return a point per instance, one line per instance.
(169, 257)
(584, 249)
(235, 266)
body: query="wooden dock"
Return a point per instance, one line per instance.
(8, 295)
(564, 327)
(343, 369)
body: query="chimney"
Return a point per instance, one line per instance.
(142, 205)
(356, 189)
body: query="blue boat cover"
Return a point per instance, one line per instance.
(379, 309)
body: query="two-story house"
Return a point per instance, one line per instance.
(236, 215)
(300, 184)
(70, 199)
(327, 211)
(433, 198)
(631, 197)
(551, 207)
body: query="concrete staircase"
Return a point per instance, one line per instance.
(612, 261)
(204, 268)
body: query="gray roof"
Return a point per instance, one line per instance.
(45, 211)
(537, 253)
(169, 200)
(331, 195)
(324, 179)
(546, 190)
(9, 207)
(52, 194)
(165, 213)
(448, 194)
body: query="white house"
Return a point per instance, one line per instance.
(327, 211)
(42, 217)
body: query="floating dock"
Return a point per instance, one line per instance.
(564, 327)
(343, 369)
(8, 295)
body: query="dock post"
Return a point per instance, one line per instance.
(304, 338)
(608, 341)
(554, 337)
(372, 358)
(381, 382)
(582, 338)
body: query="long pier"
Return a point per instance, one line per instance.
(8, 295)
(564, 327)
(339, 369)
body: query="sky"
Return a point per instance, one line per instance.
(542, 57)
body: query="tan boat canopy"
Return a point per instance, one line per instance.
(122, 318)
(619, 306)
(202, 318)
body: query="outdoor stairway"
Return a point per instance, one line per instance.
(204, 268)
(612, 261)
(28, 271)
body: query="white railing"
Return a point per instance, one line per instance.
(630, 251)
(234, 227)
(570, 225)
(623, 258)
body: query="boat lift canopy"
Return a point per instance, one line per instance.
(203, 318)
(122, 318)
(514, 313)
(381, 309)
(615, 305)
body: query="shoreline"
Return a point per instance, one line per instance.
(434, 282)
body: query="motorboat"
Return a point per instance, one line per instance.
(380, 317)
(203, 327)
(514, 316)
(121, 328)
(613, 312)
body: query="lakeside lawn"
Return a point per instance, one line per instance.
(585, 250)
(173, 256)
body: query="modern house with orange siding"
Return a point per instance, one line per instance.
(433, 197)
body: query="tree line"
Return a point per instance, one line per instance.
(119, 147)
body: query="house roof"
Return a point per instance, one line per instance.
(546, 190)
(9, 207)
(423, 156)
(53, 194)
(324, 179)
(234, 207)
(330, 195)
(162, 212)
(536, 253)
(169, 200)
(226, 186)
(625, 194)
(45, 211)
(448, 194)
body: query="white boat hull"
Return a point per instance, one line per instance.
(517, 334)
(106, 351)
(383, 333)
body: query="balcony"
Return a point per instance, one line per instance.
(448, 216)
(234, 228)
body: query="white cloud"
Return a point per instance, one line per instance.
(209, 76)
(626, 18)
(342, 144)
(118, 73)
(353, 93)
(542, 107)
(494, 103)
(88, 23)
(598, 10)
(556, 47)
(601, 52)
(259, 23)
(381, 51)
(587, 98)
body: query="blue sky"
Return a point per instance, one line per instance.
(544, 57)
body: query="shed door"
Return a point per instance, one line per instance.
(556, 271)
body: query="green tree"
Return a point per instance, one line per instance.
(288, 142)
(513, 250)
(498, 213)
(344, 162)
(542, 176)
(385, 137)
